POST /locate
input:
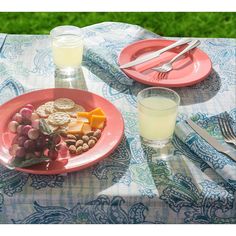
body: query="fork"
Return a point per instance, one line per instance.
(226, 128)
(168, 66)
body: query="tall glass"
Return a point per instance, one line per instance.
(157, 112)
(67, 51)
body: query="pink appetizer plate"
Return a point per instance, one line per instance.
(190, 69)
(111, 136)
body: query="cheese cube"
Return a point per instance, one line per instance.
(97, 121)
(75, 127)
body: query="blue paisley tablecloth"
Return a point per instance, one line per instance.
(134, 184)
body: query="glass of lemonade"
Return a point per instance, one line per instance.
(67, 48)
(157, 112)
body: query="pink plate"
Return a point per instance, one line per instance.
(110, 139)
(190, 69)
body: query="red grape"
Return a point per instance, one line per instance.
(40, 143)
(29, 106)
(17, 117)
(26, 113)
(20, 152)
(52, 154)
(29, 145)
(12, 126)
(33, 133)
(21, 140)
(19, 129)
(26, 129)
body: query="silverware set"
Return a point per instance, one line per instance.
(226, 130)
(166, 67)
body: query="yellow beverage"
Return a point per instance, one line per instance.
(67, 51)
(157, 117)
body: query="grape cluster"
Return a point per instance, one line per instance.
(29, 140)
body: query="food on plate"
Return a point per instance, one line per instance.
(41, 111)
(73, 111)
(96, 118)
(83, 116)
(49, 107)
(51, 126)
(97, 121)
(75, 127)
(86, 128)
(80, 144)
(64, 104)
(52, 130)
(97, 111)
(58, 118)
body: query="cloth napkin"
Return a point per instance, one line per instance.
(103, 43)
(219, 162)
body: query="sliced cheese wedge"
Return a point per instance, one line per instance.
(97, 111)
(97, 122)
(75, 127)
(86, 128)
(84, 117)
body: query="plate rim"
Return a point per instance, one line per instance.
(129, 73)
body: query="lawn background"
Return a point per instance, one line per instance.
(197, 24)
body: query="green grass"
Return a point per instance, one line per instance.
(203, 24)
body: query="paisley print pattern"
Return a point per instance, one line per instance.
(43, 64)
(219, 162)
(183, 149)
(116, 165)
(136, 184)
(9, 89)
(43, 181)
(12, 182)
(102, 210)
(200, 206)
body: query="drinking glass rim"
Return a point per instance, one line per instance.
(52, 32)
(159, 88)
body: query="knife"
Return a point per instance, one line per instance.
(154, 54)
(212, 141)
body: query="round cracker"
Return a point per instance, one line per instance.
(41, 111)
(64, 104)
(73, 112)
(49, 107)
(52, 127)
(59, 118)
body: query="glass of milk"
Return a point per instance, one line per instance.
(157, 112)
(67, 52)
